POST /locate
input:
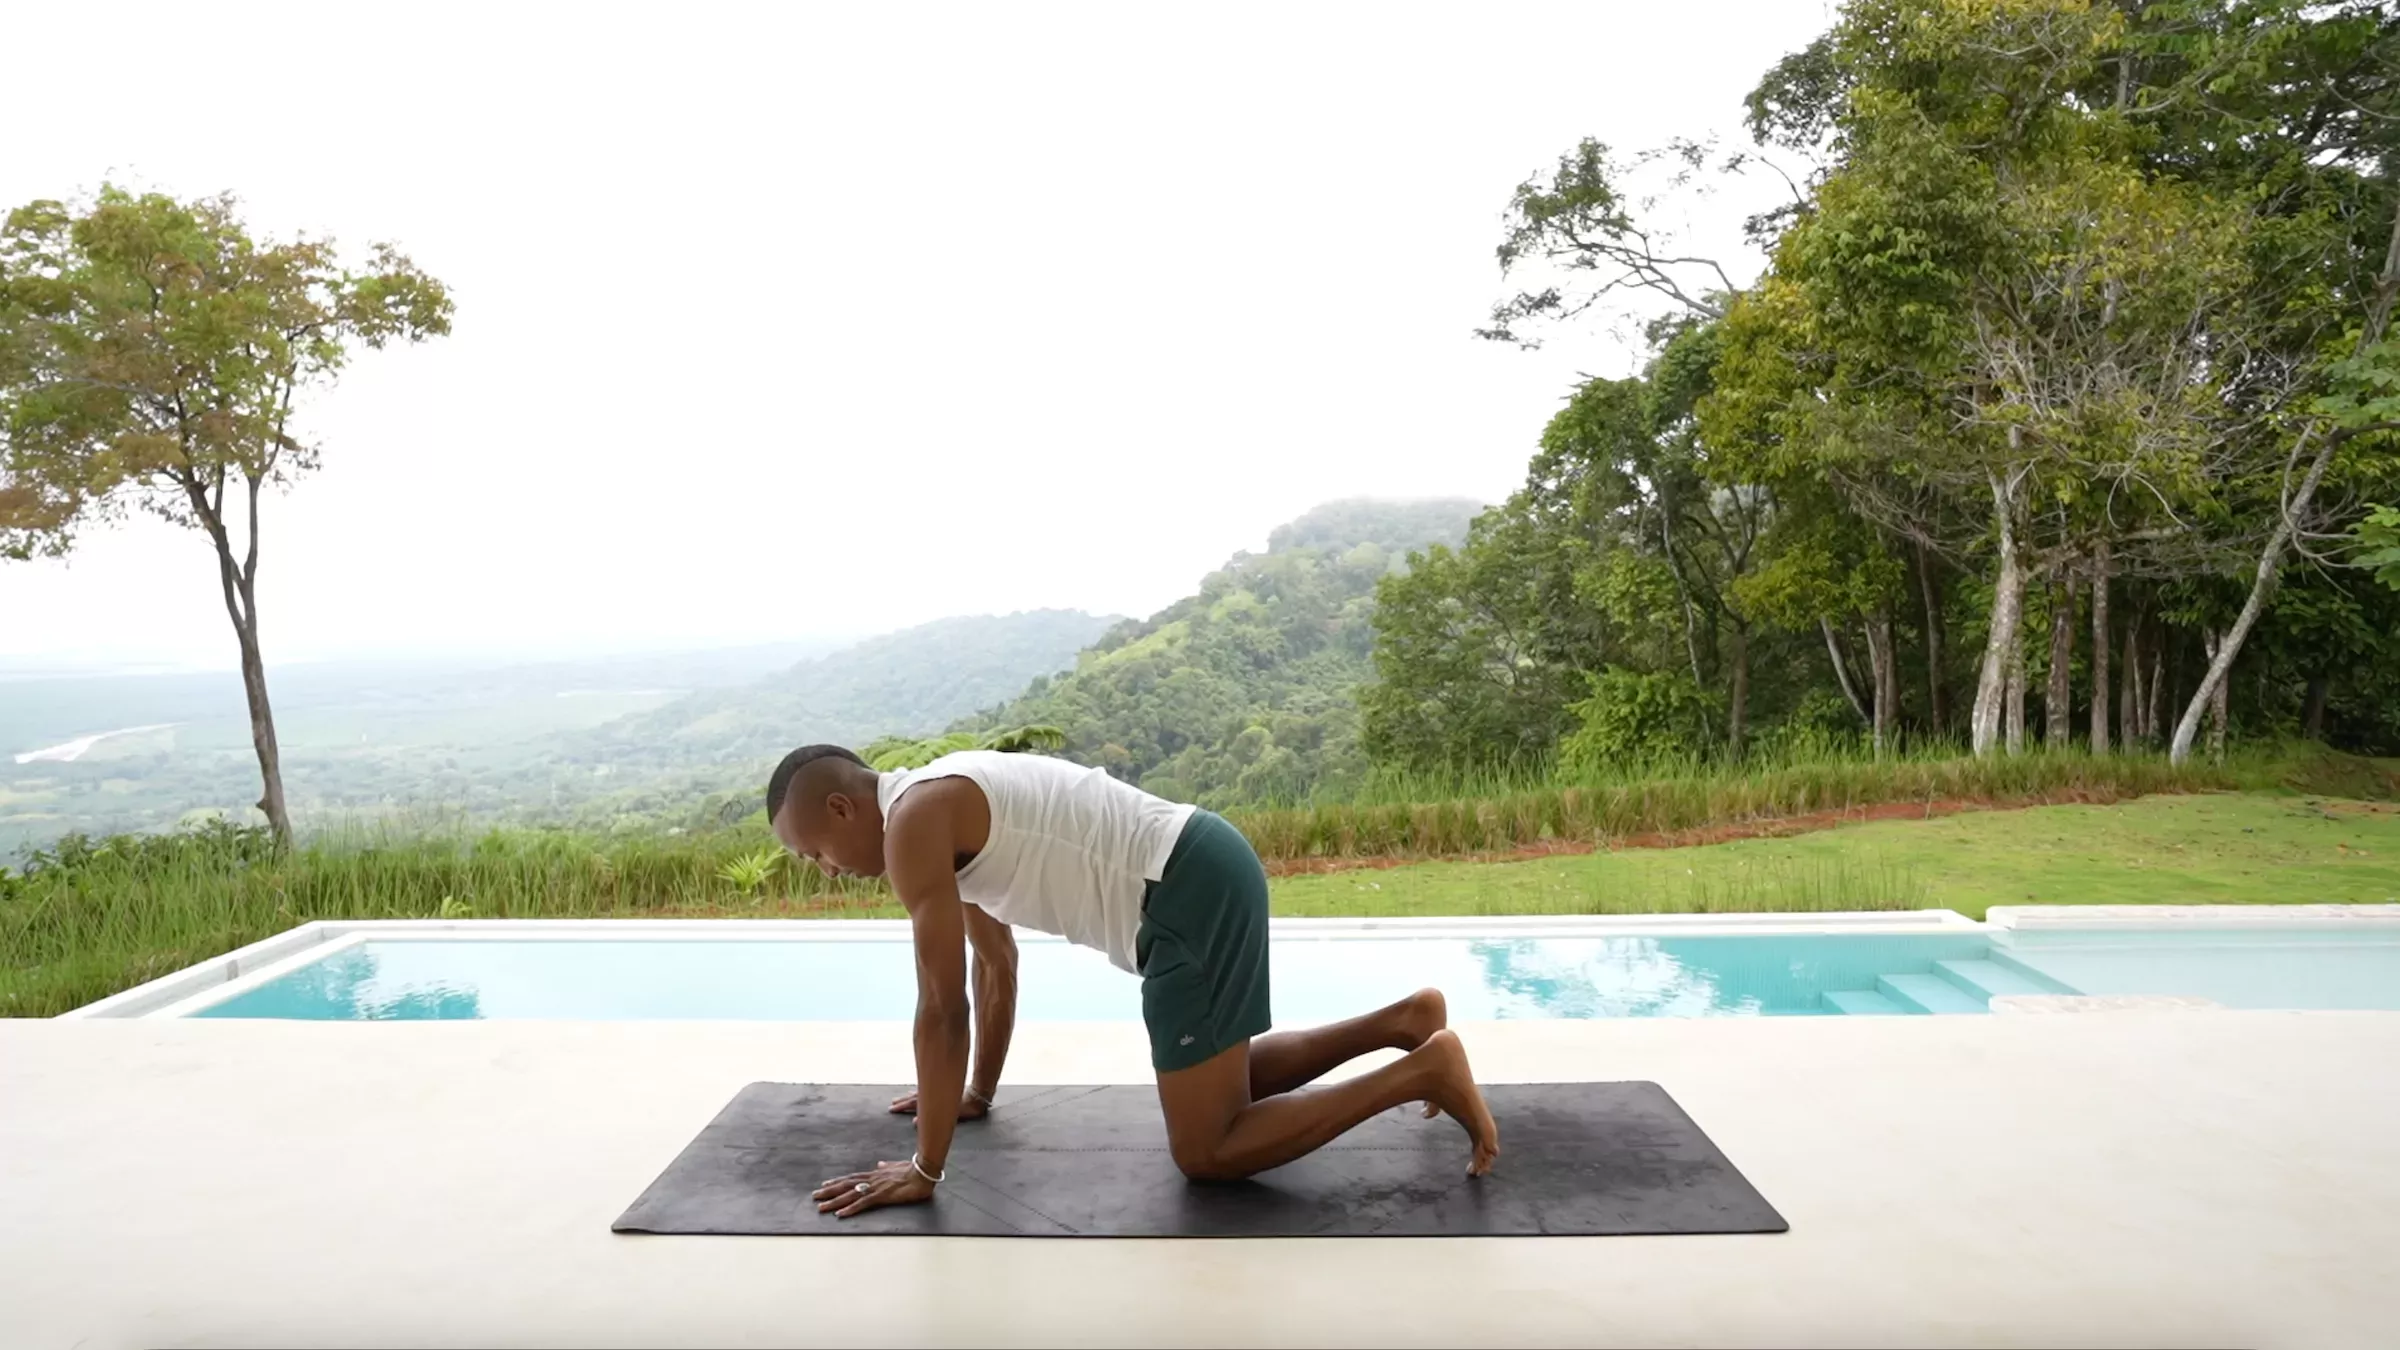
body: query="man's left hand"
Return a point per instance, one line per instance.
(891, 1183)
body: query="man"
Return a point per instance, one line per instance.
(978, 841)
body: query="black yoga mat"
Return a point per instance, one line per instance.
(1575, 1159)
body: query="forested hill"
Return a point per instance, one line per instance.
(1397, 527)
(1246, 689)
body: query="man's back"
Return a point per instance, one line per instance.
(1069, 850)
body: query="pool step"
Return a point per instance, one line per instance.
(1981, 980)
(1928, 994)
(2042, 983)
(1963, 985)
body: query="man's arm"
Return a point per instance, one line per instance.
(919, 857)
(995, 998)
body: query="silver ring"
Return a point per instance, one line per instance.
(861, 1188)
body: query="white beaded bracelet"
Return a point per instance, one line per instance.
(912, 1161)
(975, 1095)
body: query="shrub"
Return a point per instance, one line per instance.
(1633, 718)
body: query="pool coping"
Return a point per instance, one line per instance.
(217, 979)
(2189, 918)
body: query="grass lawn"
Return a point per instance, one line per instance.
(2219, 848)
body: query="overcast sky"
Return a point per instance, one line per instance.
(784, 320)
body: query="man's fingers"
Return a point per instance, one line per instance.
(904, 1104)
(846, 1197)
(842, 1184)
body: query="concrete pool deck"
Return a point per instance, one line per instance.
(2152, 1178)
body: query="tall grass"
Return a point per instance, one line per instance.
(86, 919)
(1494, 812)
(1809, 885)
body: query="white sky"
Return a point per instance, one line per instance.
(782, 320)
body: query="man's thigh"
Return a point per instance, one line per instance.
(1200, 1102)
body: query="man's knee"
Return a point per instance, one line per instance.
(1203, 1162)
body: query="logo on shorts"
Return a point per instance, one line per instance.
(1187, 1040)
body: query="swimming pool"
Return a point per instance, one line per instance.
(1930, 962)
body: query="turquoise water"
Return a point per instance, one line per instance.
(2297, 968)
(1322, 979)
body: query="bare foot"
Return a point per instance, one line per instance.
(1453, 1089)
(1422, 1014)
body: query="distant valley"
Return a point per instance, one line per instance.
(1245, 687)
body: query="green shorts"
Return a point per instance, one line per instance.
(1202, 946)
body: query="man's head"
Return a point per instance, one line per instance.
(821, 804)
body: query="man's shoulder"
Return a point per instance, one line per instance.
(935, 782)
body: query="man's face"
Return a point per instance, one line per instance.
(842, 836)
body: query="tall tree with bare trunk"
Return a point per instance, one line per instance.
(153, 355)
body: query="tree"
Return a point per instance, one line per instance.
(2365, 402)
(1477, 651)
(2378, 536)
(2066, 278)
(1829, 571)
(1642, 492)
(152, 355)
(1581, 224)
(2293, 106)
(1999, 298)
(1027, 740)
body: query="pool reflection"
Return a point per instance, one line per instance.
(345, 988)
(1627, 977)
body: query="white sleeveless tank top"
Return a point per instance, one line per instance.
(1070, 847)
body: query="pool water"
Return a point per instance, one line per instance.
(1318, 979)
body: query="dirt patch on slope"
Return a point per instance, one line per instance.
(2370, 810)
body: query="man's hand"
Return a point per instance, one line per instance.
(970, 1107)
(891, 1183)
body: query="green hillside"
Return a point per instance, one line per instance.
(1246, 690)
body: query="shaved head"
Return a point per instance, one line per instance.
(822, 803)
(800, 762)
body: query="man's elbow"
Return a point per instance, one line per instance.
(943, 1011)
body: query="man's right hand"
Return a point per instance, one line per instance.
(969, 1108)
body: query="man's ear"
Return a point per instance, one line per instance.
(839, 805)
